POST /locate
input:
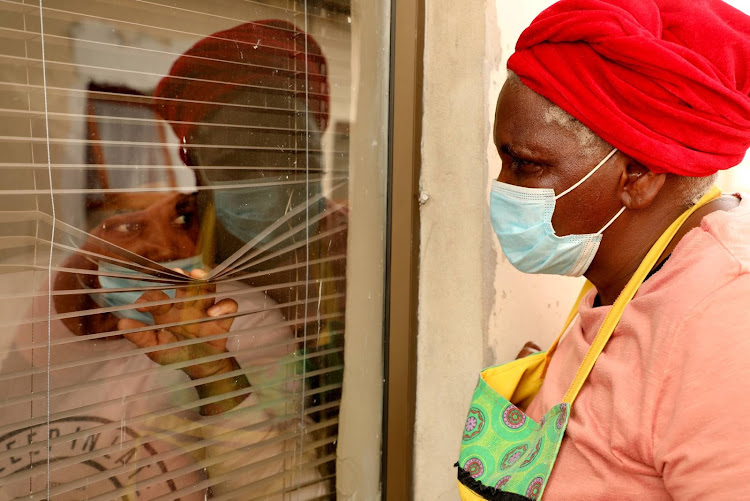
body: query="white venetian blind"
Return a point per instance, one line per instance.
(193, 157)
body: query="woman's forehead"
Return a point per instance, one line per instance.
(525, 122)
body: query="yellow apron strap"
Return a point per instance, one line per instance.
(573, 312)
(614, 315)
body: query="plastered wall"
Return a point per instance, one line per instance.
(457, 265)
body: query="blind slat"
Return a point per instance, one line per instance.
(29, 35)
(89, 191)
(64, 117)
(253, 486)
(233, 475)
(55, 13)
(289, 454)
(37, 447)
(176, 344)
(316, 238)
(160, 271)
(226, 268)
(113, 309)
(223, 280)
(235, 262)
(158, 168)
(108, 96)
(140, 419)
(41, 218)
(66, 141)
(251, 489)
(185, 449)
(102, 335)
(164, 369)
(74, 67)
(213, 14)
(136, 442)
(169, 435)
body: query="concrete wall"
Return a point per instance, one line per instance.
(456, 260)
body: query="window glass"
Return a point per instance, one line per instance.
(174, 235)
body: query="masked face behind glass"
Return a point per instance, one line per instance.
(164, 232)
(163, 228)
(263, 164)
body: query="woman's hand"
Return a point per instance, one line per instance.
(191, 311)
(528, 349)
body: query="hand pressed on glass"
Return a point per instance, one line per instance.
(188, 315)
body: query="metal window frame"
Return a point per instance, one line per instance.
(402, 256)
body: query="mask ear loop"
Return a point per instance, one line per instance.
(579, 183)
(611, 220)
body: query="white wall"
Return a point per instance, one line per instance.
(526, 307)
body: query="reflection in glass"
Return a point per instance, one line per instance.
(186, 339)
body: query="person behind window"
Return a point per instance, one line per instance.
(257, 157)
(249, 106)
(135, 428)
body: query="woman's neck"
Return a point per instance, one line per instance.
(618, 259)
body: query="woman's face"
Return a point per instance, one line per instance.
(541, 153)
(260, 168)
(165, 230)
(257, 161)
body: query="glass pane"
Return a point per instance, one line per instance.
(175, 219)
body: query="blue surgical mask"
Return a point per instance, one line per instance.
(246, 212)
(248, 198)
(522, 220)
(128, 298)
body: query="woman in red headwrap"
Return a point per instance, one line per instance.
(248, 106)
(613, 122)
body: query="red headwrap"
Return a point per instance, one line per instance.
(665, 81)
(270, 55)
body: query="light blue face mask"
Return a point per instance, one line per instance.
(128, 298)
(248, 202)
(247, 212)
(522, 220)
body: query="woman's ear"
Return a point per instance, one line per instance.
(638, 185)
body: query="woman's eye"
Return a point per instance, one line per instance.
(522, 162)
(520, 166)
(127, 228)
(182, 220)
(523, 166)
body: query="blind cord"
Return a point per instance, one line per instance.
(52, 238)
(307, 239)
